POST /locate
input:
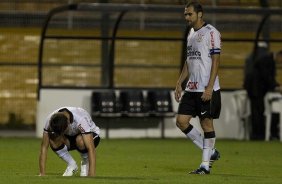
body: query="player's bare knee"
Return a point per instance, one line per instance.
(207, 125)
(79, 142)
(181, 124)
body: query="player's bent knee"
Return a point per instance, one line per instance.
(180, 124)
(207, 125)
(183, 121)
(80, 143)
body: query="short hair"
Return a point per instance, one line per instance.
(196, 5)
(58, 123)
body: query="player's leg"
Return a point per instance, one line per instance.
(209, 141)
(183, 123)
(194, 134)
(208, 146)
(84, 153)
(186, 111)
(207, 112)
(60, 146)
(215, 108)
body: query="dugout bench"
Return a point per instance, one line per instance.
(132, 104)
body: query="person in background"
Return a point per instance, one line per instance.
(202, 93)
(66, 129)
(259, 80)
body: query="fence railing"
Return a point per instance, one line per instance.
(108, 66)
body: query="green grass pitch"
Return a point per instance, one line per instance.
(147, 161)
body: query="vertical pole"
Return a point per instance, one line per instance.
(112, 49)
(213, 15)
(70, 16)
(162, 127)
(105, 31)
(267, 24)
(142, 17)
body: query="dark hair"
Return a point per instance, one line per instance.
(196, 5)
(58, 123)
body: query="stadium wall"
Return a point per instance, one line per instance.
(228, 126)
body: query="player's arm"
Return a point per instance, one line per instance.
(43, 153)
(182, 77)
(88, 141)
(213, 73)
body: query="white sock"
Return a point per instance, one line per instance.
(65, 155)
(84, 158)
(207, 152)
(196, 137)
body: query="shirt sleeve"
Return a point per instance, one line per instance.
(214, 41)
(85, 124)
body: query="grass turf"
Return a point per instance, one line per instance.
(146, 161)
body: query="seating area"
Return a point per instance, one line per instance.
(243, 111)
(273, 104)
(132, 103)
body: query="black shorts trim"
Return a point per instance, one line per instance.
(192, 104)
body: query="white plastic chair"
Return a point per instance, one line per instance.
(242, 108)
(273, 103)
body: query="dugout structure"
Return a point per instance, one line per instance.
(130, 37)
(84, 47)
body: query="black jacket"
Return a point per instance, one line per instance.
(260, 79)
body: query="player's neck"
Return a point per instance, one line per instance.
(199, 25)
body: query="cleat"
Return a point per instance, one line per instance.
(71, 169)
(200, 170)
(84, 167)
(215, 156)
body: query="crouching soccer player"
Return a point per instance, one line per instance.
(66, 129)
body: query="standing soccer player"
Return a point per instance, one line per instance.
(202, 94)
(66, 129)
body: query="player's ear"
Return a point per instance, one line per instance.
(200, 14)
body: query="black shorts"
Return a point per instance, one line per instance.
(72, 140)
(192, 104)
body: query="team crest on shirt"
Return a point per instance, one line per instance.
(199, 37)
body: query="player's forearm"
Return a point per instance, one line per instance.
(183, 75)
(214, 71)
(92, 162)
(43, 153)
(42, 163)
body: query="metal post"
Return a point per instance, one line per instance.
(265, 31)
(105, 31)
(70, 16)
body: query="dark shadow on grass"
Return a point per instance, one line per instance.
(103, 177)
(119, 178)
(238, 175)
